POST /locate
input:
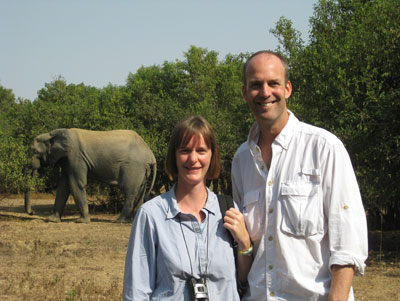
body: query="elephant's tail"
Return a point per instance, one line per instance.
(154, 171)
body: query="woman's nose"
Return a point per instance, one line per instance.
(192, 156)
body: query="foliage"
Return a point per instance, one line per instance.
(345, 79)
(12, 153)
(159, 96)
(153, 100)
(13, 145)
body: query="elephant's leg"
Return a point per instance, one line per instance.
(78, 191)
(61, 197)
(134, 188)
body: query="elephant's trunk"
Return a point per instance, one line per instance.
(27, 200)
(28, 206)
(35, 162)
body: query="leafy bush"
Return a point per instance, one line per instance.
(12, 164)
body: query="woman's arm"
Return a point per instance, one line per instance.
(234, 222)
(140, 261)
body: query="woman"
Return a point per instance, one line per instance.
(178, 248)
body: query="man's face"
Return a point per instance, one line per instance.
(266, 91)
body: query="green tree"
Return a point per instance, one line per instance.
(62, 105)
(347, 81)
(157, 97)
(13, 143)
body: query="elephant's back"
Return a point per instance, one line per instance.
(121, 137)
(118, 143)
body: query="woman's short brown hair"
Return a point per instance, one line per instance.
(183, 132)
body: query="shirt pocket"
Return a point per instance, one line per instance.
(252, 212)
(302, 208)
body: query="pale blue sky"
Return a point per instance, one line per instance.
(97, 42)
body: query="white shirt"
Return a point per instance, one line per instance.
(304, 214)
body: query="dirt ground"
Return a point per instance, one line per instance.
(70, 261)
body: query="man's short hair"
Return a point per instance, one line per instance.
(183, 132)
(282, 59)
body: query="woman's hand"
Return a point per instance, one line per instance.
(234, 222)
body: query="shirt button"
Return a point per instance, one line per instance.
(270, 238)
(270, 210)
(262, 167)
(346, 207)
(270, 183)
(271, 266)
(272, 294)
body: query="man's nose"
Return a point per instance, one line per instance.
(265, 90)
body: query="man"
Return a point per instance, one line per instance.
(299, 196)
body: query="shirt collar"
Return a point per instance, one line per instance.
(173, 210)
(285, 136)
(283, 139)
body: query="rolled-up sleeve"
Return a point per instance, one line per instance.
(348, 237)
(140, 262)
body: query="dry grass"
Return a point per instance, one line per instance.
(65, 261)
(380, 282)
(69, 261)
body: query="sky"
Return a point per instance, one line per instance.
(99, 42)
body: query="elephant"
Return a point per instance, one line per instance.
(117, 157)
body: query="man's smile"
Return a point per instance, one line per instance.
(267, 104)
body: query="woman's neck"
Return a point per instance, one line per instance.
(192, 199)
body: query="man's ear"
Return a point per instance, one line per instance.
(288, 89)
(244, 91)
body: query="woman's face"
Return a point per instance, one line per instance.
(193, 161)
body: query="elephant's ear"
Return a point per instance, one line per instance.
(59, 145)
(40, 147)
(41, 144)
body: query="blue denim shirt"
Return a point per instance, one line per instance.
(157, 263)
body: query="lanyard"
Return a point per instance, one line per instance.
(187, 249)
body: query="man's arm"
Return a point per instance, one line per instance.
(342, 276)
(348, 236)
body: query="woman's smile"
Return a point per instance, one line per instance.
(193, 161)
